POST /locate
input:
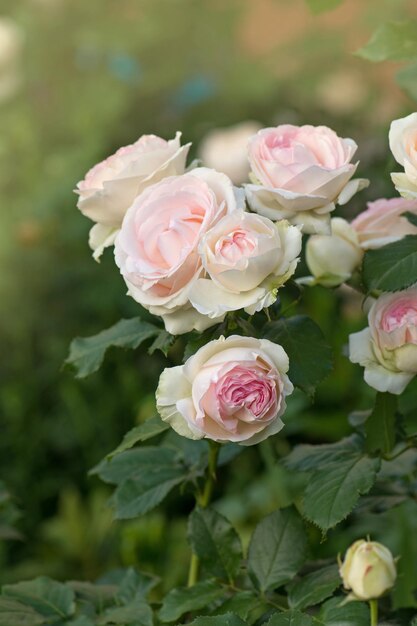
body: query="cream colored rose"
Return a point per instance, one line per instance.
(403, 144)
(368, 570)
(232, 389)
(383, 222)
(246, 259)
(387, 349)
(300, 173)
(111, 186)
(157, 246)
(225, 150)
(333, 258)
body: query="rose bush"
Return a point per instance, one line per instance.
(110, 187)
(232, 389)
(300, 173)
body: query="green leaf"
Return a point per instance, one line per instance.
(380, 425)
(136, 496)
(48, 597)
(134, 463)
(219, 620)
(407, 80)
(216, 543)
(135, 585)
(80, 621)
(163, 342)
(87, 353)
(182, 600)
(14, 613)
(351, 614)
(412, 217)
(310, 356)
(392, 267)
(290, 618)
(149, 429)
(137, 613)
(334, 489)
(393, 41)
(241, 603)
(319, 6)
(307, 458)
(277, 549)
(100, 596)
(314, 588)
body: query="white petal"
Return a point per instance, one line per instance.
(101, 237)
(212, 300)
(382, 379)
(360, 347)
(396, 133)
(173, 388)
(403, 185)
(183, 320)
(353, 186)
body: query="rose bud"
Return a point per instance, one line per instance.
(368, 570)
(332, 258)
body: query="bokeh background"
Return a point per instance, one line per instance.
(78, 79)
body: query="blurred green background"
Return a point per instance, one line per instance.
(78, 79)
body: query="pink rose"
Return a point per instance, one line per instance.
(232, 389)
(246, 258)
(224, 149)
(403, 144)
(110, 187)
(388, 348)
(300, 173)
(383, 222)
(157, 246)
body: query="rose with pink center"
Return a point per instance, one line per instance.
(246, 259)
(299, 173)
(232, 389)
(388, 348)
(110, 187)
(157, 246)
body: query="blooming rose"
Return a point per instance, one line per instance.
(247, 257)
(232, 389)
(110, 187)
(332, 258)
(403, 144)
(224, 149)
(383, 222)
(157, 246)
(300, 173)
(388, 348)
(368, 570)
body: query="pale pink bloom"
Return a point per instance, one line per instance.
(110, 187)
(300, 173)
(246, 258)
(388, 347)
(231, 389)
(224, 149)
(383, 222)
(157, 246)
(403, 144)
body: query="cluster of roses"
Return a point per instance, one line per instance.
(191, 247)
(388, 347)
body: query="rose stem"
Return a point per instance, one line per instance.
(373, 605)
(203, 501)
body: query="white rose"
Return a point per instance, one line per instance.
(246, 258)
(300, 173)
(403, 144)
(387, 349)
(224, 149)
(157, 246)
(110, 187)
(332, 258)
(368, 570)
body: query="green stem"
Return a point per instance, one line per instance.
(373, 605)
(203, 500)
